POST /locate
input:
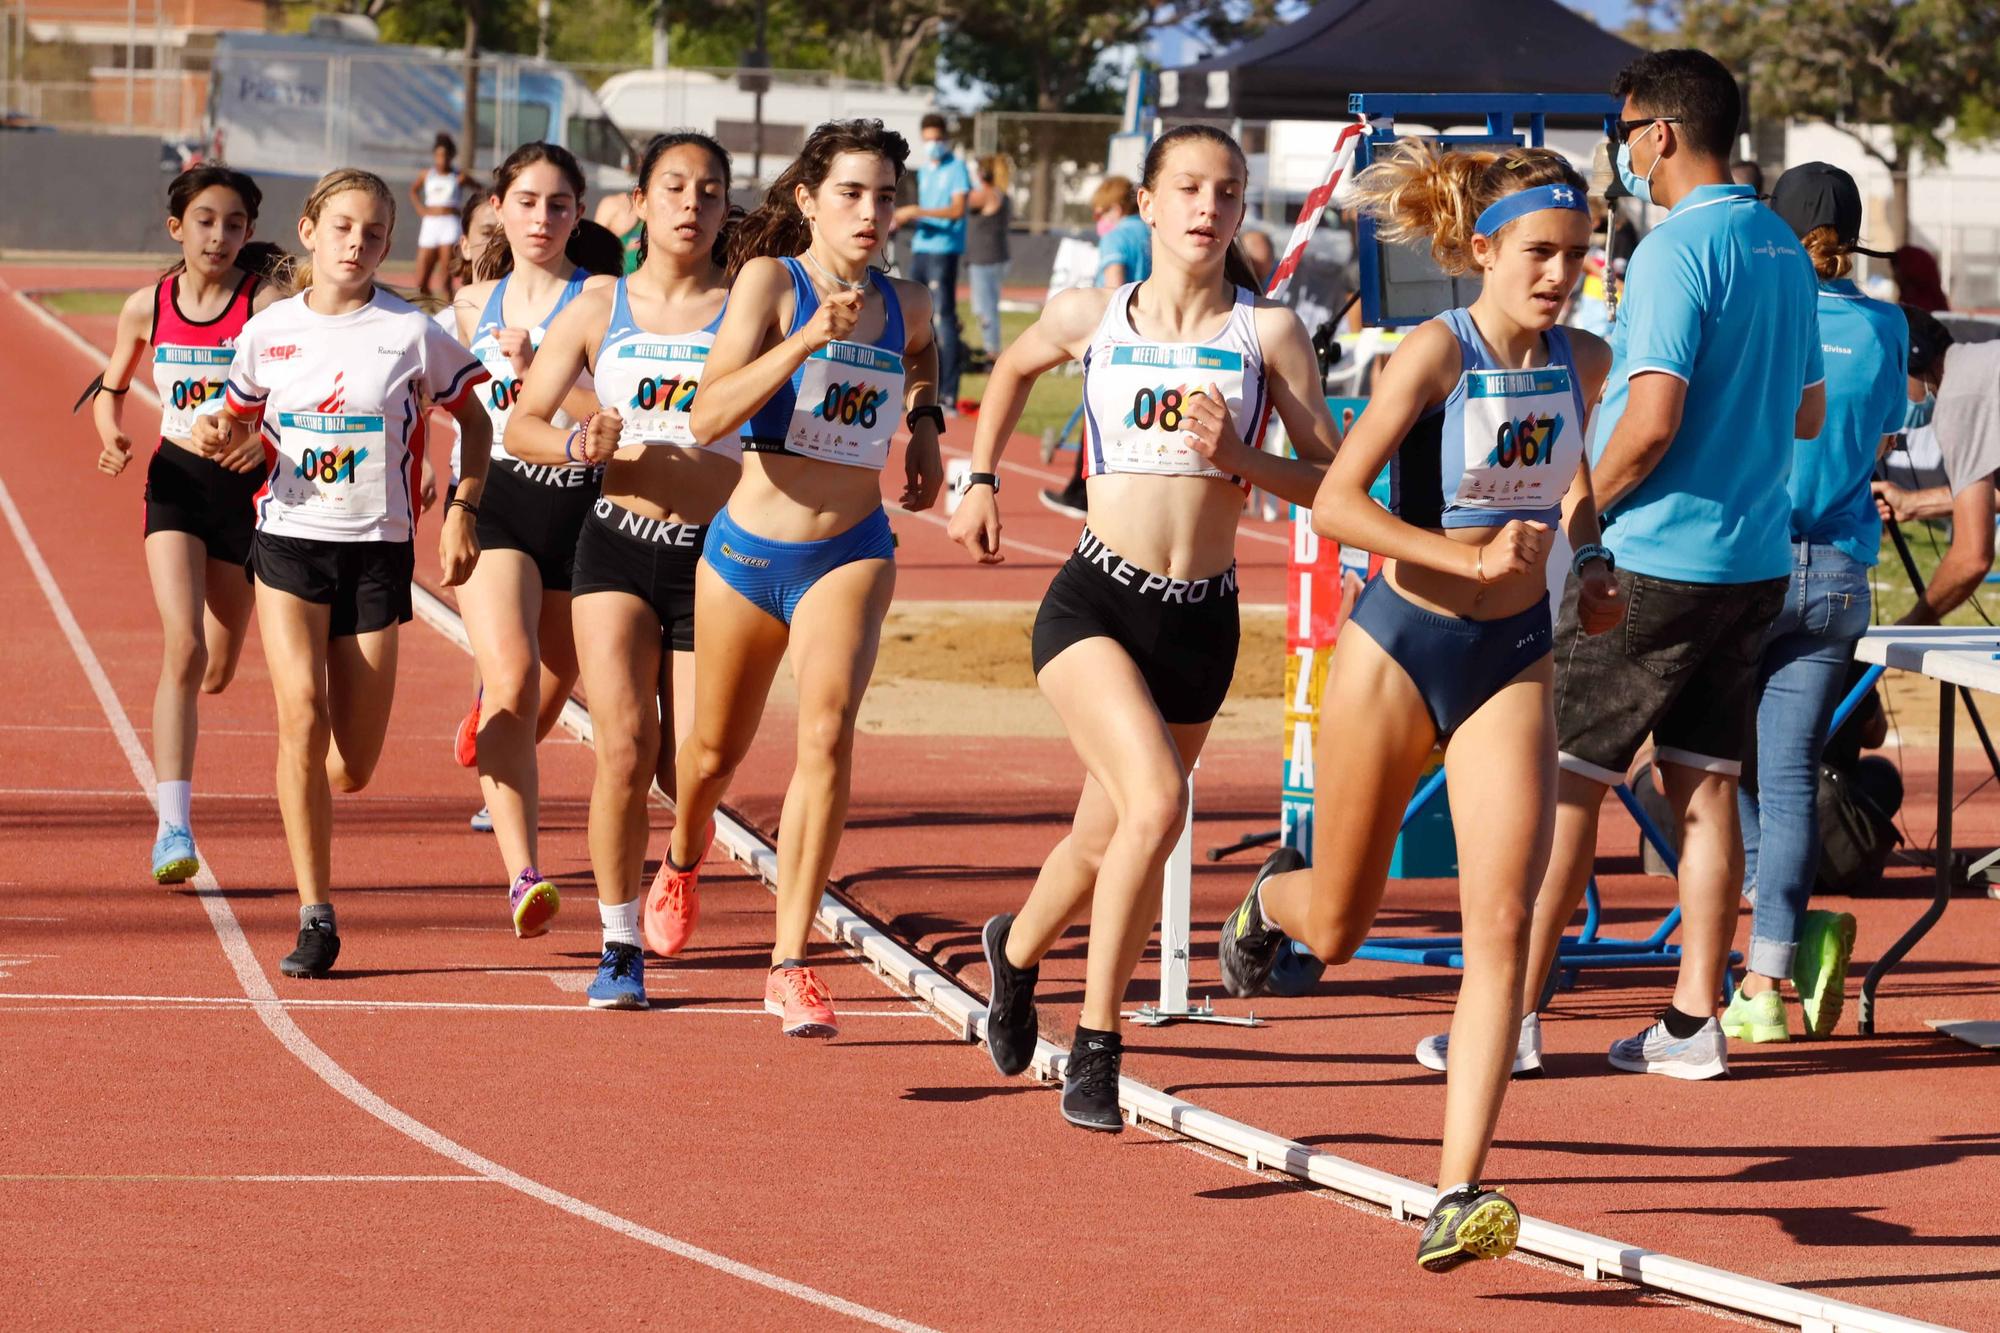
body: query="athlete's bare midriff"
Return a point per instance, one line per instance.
(1455, 595)
(1182, 527)
(695, 482)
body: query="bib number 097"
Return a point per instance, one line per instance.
(193, 393)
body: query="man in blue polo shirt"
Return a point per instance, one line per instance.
(943, 185)
(1716, 370)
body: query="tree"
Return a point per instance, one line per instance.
(1899, 77)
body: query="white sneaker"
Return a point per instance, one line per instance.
(1658, 1051)
(1527, 1050)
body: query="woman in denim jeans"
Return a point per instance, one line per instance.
(986, 245)
(1835, 534)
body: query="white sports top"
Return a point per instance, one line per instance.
(1134, 389)
(504, 389)
(442, 190)
(341, 400)
(650, 380)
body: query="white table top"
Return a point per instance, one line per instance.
(1956, 655)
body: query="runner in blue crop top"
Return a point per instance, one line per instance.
(766, 431)
(1479, 415)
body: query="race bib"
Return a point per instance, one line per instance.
(663, 383)
(499, 394)
(333, 463)
(1522, 439)
(189, 381)
(847, 405)
(1140, 400)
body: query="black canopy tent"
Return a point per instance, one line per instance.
(1306, 69)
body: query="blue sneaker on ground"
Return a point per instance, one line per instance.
(621, 978)
(482, 820)
(174, 861)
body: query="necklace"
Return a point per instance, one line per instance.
(836, 281)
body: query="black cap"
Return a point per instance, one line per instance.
(1818, 194)
(1928, 340)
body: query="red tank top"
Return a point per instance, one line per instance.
(191, 359)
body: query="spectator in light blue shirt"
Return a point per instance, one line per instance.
(1809, 647)
(943, 186)
(1715, 372)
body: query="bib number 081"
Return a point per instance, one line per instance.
(1161, 407)
(329, 465)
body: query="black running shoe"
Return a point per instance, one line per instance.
(318, 947)
(1011, 1029)
(1070, 501)
(1248, 950)
(1468, 1224)
(1090, 1083)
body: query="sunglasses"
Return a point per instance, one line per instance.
(1626, 127)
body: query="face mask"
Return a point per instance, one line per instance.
(1106, 223)
(1640, 187)
(935, 150)
(1919, 415)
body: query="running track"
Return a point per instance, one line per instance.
(186, 1116)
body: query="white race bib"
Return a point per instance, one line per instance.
(189, 381)
(663, 375)
(847, 405)
(333, 463)
(1139, 400)
(1522, 440)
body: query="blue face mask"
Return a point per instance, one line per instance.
(935, 150)
(1919, 414)
(1639, 187)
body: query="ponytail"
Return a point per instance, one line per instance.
(1417, 192)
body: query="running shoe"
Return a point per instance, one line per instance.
(313, 958)
(482, 821)
(1011, 1028)
(1090, 1082)
(1658, 1051)
(1467, 1224)
(1756, 1018)
(465, 744)
(174, 861)
(1431, 1051)
(1248, 950)
(797, 995)
(621, 978)
(673, 904)
(535, 903)
(1069, 501)
(1819, 969)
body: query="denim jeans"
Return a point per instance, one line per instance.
(985, 282)
(940, 274)
(1806, 656)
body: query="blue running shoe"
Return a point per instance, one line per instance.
(482, 822)
(174, 861)
(621, 978)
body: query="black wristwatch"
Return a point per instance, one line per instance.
(929, 411)
(981, 479)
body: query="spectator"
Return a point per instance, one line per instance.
(943, 186)
(1963, 381)
(1810, 646)
(1124, 254)
(1259, 253)
(1716, 372)
(1750, 174)
(986, 245)
(1918, 283)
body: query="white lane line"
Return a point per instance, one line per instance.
(272, 1012)
(1006, 543)
(847, 1009)
(161, 1179)
(340, 798)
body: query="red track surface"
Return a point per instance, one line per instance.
(892, 1168)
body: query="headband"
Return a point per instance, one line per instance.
(1509, 207)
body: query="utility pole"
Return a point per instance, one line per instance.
(468, 135)
(542, 29)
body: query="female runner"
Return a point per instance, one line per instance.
(438, 195)
(337, 380)
(516, 602)
(198, 515)
(646, 342)
(1135, 643)
(1480, 415)
(819, 353)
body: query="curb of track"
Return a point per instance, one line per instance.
(1596, 1257)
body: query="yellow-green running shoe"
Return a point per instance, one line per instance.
(1819, 969)
(1756, 1017)
(1469, 1223)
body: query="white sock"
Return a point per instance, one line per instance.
(621, 923)
(175, 800)
(1265, 916)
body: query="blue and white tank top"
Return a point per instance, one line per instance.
(1135, 391)
(1504, 445)
(845, 402)
(499, 394)
(650, 379)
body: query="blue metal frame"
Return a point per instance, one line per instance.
(1503, 113)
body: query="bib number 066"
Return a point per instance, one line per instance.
(852, 405)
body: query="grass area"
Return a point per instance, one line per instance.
(84, 301)
(1055, 395)
(1893, 595)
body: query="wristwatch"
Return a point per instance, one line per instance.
(980, 479)
(930, 411)
(1592, 551)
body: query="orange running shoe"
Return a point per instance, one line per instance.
(465, 745)
(797, 995)
(673, 904)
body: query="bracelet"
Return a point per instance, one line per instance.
(1592, 551)
(466, 505)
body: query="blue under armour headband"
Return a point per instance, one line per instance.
(1509, 207)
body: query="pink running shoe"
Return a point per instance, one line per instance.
(673, 904)
(797, 995)
(535, 903)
